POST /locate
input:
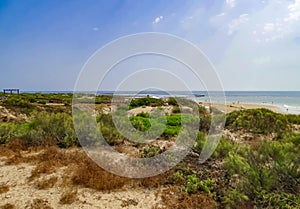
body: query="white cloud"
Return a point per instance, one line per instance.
(158, 19)
(95, 28)
(294, 11)
(221, 14)
(230, 3)
(235, 24)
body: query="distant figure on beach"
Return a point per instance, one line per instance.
(287, 108)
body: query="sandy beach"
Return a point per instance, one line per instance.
(230, 107)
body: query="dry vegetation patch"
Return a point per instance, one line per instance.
(174, 199)
(38, 204)
(68, 196)
(7, 206)
(3, 188)
(45, 182)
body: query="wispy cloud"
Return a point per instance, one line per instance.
(230, 3)
(95, 28)
(294, 11)
(235, 24)
(158, 19)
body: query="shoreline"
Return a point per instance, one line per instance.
(231, 106)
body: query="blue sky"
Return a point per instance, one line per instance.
(254, 45)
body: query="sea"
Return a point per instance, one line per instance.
(287, 101)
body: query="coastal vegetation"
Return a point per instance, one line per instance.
(262, 172)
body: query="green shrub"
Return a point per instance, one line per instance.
(278, 200)
(145, 102)
(41, 102)
(20, 101)
(200, 141)
(172, 101)
(270, 172)
(143, 114)
(108, 129)
(171, 131)
(176, 109)
(7, 131)
(140, 123)
(261, 121)
(49, 128)
(177, 177)
(294, 119)
(194, 184)
(150, 152)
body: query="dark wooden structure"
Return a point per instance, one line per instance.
(11, 91)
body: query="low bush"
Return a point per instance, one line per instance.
(266, 174)
(145, 102)
(261, 121)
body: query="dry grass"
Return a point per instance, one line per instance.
(5, 151)
(69, 196)
(16, 145)
(3, 188)
(89, 174)
(155, 181)
(173, 199)
(129, 202)
(47, 167)
(39, 204)
(7, 206)
(46, 183)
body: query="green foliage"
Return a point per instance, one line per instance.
(172, 101)
(47, 128)
(261, 121)
(41, 101)
(267, 175)
(222, 150)
(233, 198)
(278, 200)
(205, 123)
(224, 147)
(140, 123)
(200, 141)
(194, 184)
(103, 99)
(294, 119)
(177, 177)
(108, 129)
(153, 102)
(7, 131)
(171, 131)
(42, 129)
(172, 124)
(19, 101)
(143, 114)
(150, 152)
(176, 109)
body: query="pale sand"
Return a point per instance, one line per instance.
(230, 107)
(22, 193)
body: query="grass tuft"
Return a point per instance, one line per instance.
(69, 196)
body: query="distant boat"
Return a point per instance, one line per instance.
(199, 95)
